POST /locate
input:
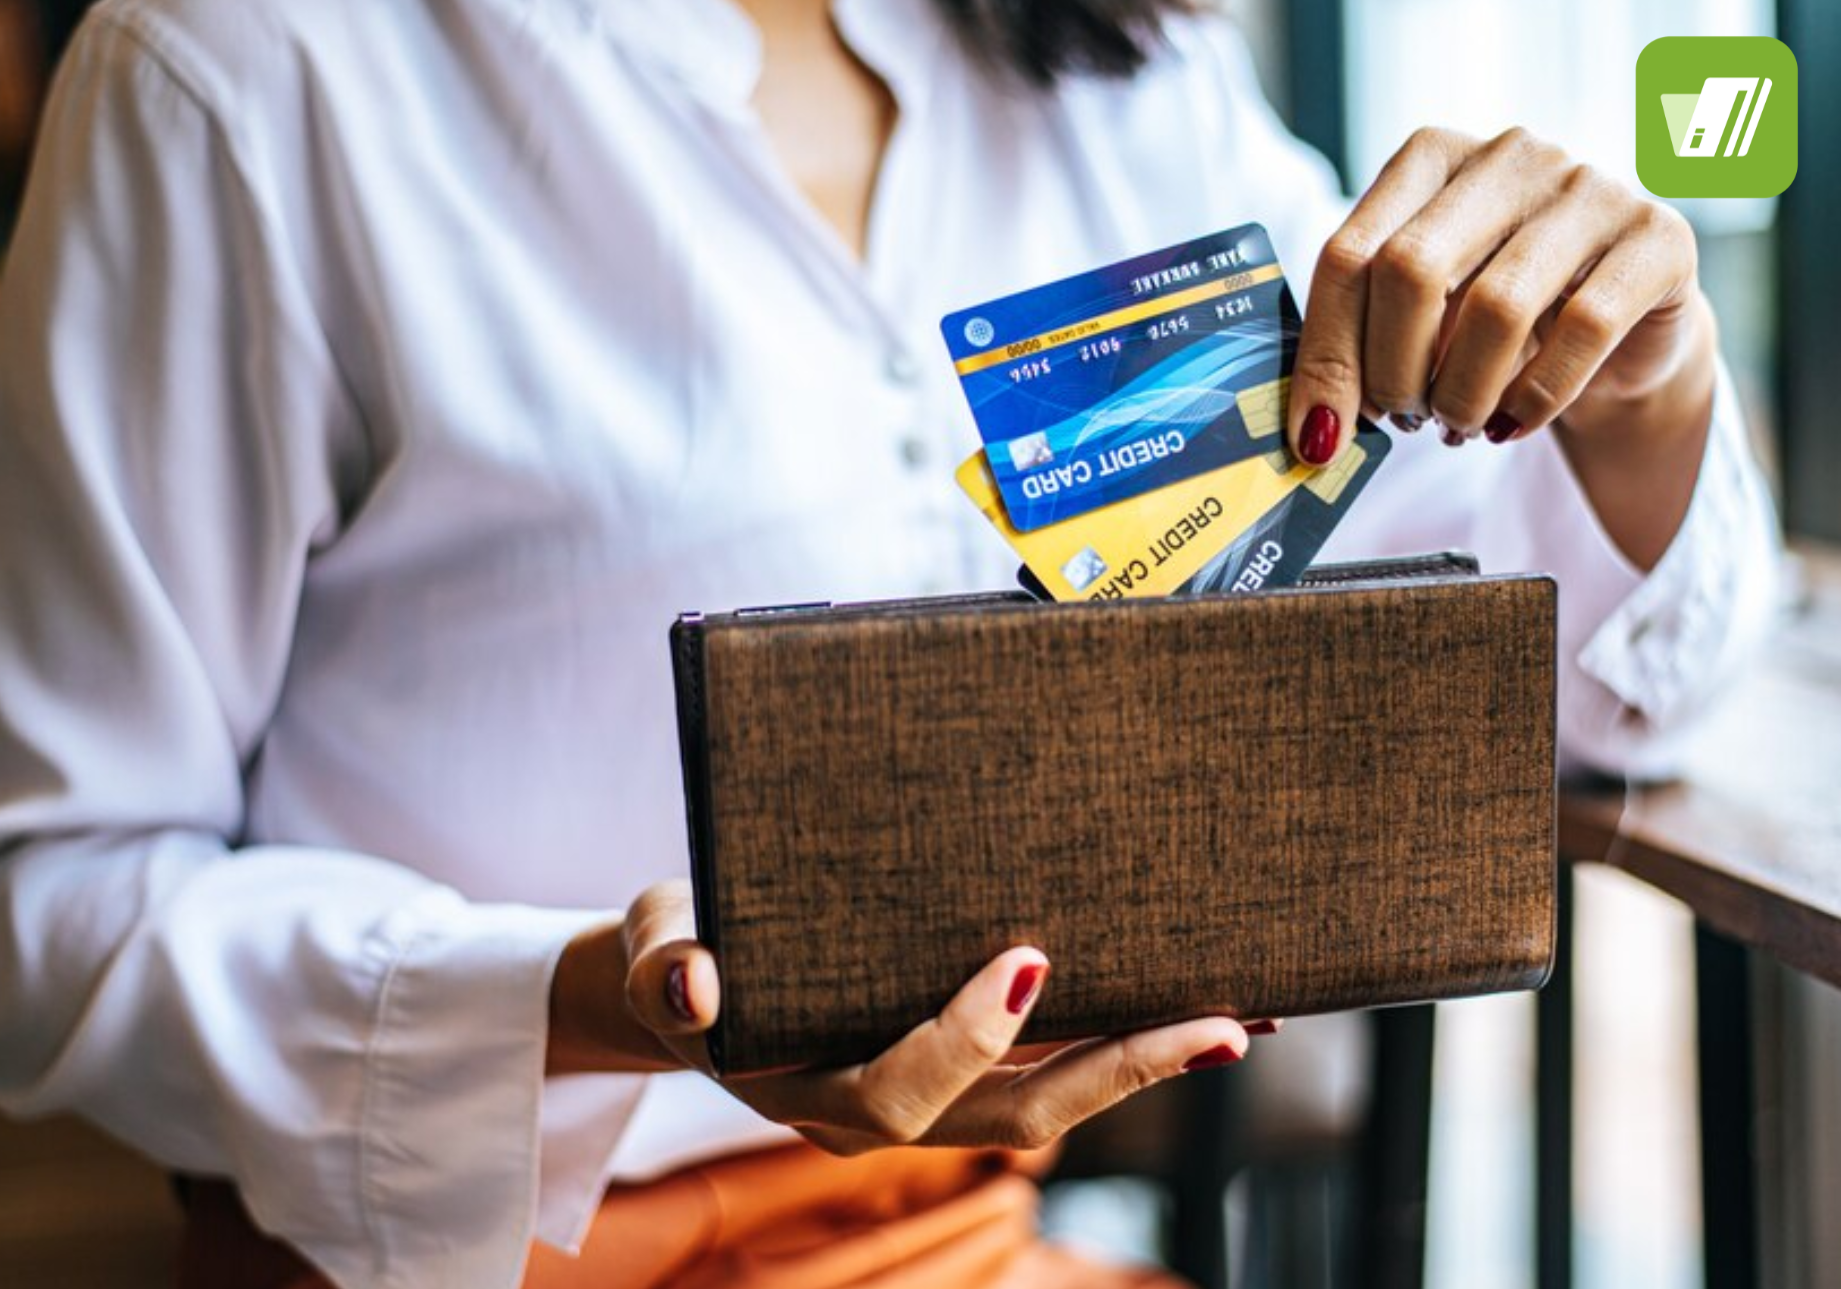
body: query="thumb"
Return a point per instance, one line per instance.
(672, 987)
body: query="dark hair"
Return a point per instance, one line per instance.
(1041, 40)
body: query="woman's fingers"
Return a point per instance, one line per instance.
(671, 984)
(932, 1067)
(1030, 1107)
(1485, 284)
(1035, 1107)
(1444, 244)
(897, 1097)
(955, 1080)
(1497, 316)
(1652, 265)
(1326, 382)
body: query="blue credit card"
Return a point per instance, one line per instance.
(1106, 385)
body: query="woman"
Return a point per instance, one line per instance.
(380, 378)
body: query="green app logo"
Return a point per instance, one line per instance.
(1716, 116)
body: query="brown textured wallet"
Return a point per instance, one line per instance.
(1339, 795)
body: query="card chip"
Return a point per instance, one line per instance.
(1329, 483)
(1030, 451)
(1279, 459)
(1084, 569)
(1262, 408)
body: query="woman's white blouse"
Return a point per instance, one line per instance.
(378, 378)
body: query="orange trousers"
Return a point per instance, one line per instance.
(788, 1218)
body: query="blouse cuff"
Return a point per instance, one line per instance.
(450, 1134)
(1675, 634)
(1641, 655)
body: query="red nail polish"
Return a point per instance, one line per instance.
(1454, 438)
(1024, 988)
(1260, 1027)
(1501, 427)
(1222, 1055)
(677, 991)
(1322, 430)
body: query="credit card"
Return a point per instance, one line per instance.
(1133, 377)
(1240, 527)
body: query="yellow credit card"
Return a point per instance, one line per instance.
(1241, 526)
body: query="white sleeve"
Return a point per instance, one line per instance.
(357, 1046)
(1642, 657)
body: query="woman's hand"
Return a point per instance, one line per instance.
(1501, 288)
(639, 996)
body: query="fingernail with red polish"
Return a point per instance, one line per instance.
(1322, 430)
(1454, 438)
(1409, 422)
(1260, 1027)
(677, 991)
(1501, 427)
(1025, 987)
(1222, 1055)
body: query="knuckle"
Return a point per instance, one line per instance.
(1544, 394)
(888, 1123)
(1503, 306)
(1408, 265)
(1347, 255)
(1654, 217)
(983, 1044)
(1135, 1072)
(1513, 143)
(1459, 409)
(1426, 138)
(1647, 221)
(1326, 370)
(653, 915)
(1586, 182)
(646, 905)
(1434, 140)
(893, 1119)
(1669, 226)
(1517, 149)
(1031, 1127)
(1548, 157)
(1590, 324)
(1391, 397)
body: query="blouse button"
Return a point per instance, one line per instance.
(913, 451)
(901, 367)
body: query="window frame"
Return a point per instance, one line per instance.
(1809, 282)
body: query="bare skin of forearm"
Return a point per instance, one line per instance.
(1638, 458)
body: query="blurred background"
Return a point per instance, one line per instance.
(1355, 77)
